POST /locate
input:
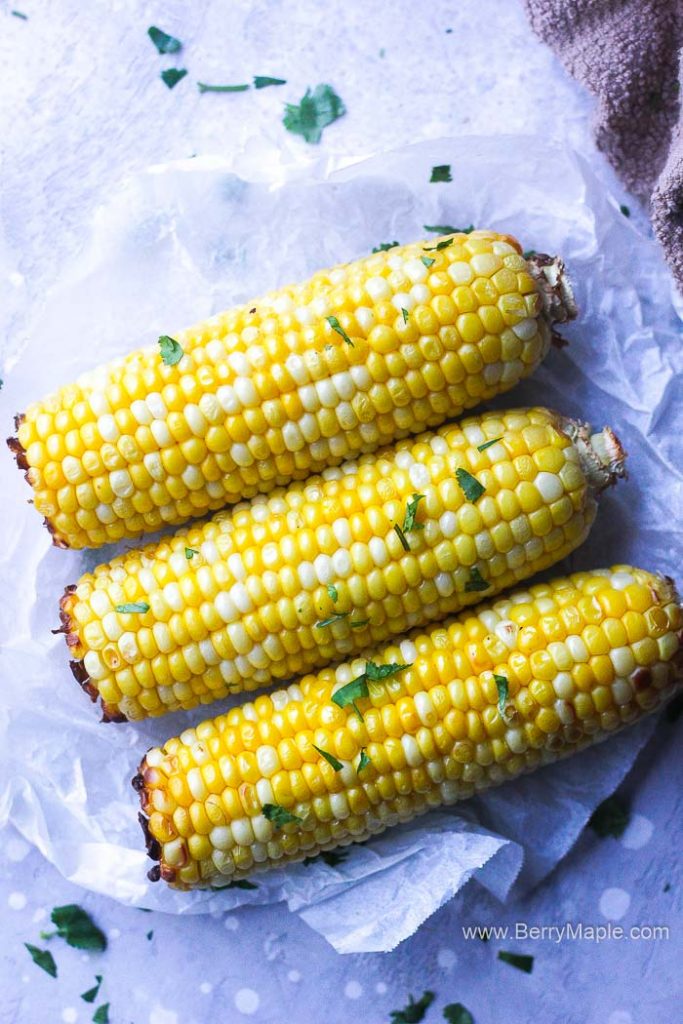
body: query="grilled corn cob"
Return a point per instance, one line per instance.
(286, 385)
(341, 755)
(314, 573)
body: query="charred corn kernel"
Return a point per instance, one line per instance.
(315, 572)
(320, 372)
(432, 737)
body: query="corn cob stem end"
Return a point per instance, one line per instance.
(601, 454)
(556, 293)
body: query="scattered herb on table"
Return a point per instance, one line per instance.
(415, 1011)
(101, 1014)
(518, 960)
(313, 113)
(456, 1013)
(91, 995)
(385, 246)
(203, 87)
(625, 210)
(487, 444)
(409, 520)
(330, 758)
(476, 582)
(263, 81)
(19, 14)
(667, 887)
(42, 958)
(171, 350)
(150, 935)
(337, 327)
(77, 927)
(610, 818)
(279, 815)
(469, 485)
(134, 606)
(163, 41)
(171, 76)
(442, 172)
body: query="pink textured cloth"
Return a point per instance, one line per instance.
(628, 53)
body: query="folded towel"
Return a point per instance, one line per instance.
(628, 53)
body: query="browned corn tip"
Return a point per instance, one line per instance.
(152, 845)
(19, 452)
(110, 713)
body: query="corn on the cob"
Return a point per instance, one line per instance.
(529, 679)
(325, 568)
(286, 385)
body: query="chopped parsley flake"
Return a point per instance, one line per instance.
(263, 81)
(331, 760)
(448, 229)
(503, 692)
(78, 928)
(163, 41)
(442, 172)
(133, 607)
(332, 619)
(101, 1015)
(91, 995)
(241, 883)
(415, 1011)
(610, 818)
(363, 761)
(314, 112)
(279, 816)
(375, 672)
(350, 693)
(476, 582)
(203, 87)
(359, 623)
(487, 444)
(406, 314)
(439, 245)
(190, 553)
(518, 960)
(455, 1013)
(19, 14)
(171, 351)
(332, 592)
(427, 260)
(402, 537)
(625, 210)
(385, 246)
(42, 958)
(336, 326)
(150, 935)
(469, 485)
(409, 520)
(171, 76)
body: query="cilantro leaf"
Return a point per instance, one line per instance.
(332, 592)
(363, 761)
(625, 210)
(203, 87)
(331, 760)
(610, 818)
(385, 246)
(442, 172)
(415, 1011)
(448, 229)
(263, 81)
(171, 76)
(332, 619)
(375, 672)
(427, 260)
(241, 883)
(42, 958)
(336, 326)
(314, 112)
(19, 14)
(487, 444)
(359, 623)
(78, 928)
(163, 42)
(455, 1013)
(279, 816)
(190, 553)
(503, 692)
(133, 606)
(439, 245)
(171, 351)
(409, 520)
(350, 693)
(91, 995)
(518, 960)
(101, 1015)
(469, 485)
(476, 582)
(402, 537)
(406, 314)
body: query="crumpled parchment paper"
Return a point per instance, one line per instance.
(183, 241)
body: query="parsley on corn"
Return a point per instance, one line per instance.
(288, 384)
(582, 657)
(291, 582)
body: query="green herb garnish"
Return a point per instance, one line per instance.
(263, 81)
(43, 959)
(78, 928)
(439, 245)
(279, 816)
(427, 260)
(406, 314)
(350, 693)
(625, 210)
(150, 935)
(171, 76)
(503, 692)
(610, 818)
(315, 111)
(455, 1013)
(359, 623)
(529, 253)
(19, 14)
(91, 995)
(336, 326)
(134, 606)
(476, 582)
(363, 762)
(402, 537)
(171, 351)
(331, 760)
(448, 229)
(190, 553)
(469, 485)
(415, 1011)
(442, 172)
(409, 520)
(332, 619)
(518, 960)
(385, 246)
(101, 1015)
(240, 883)
(203, 87)
(487, 444)
(332, 592)
(163, 42)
